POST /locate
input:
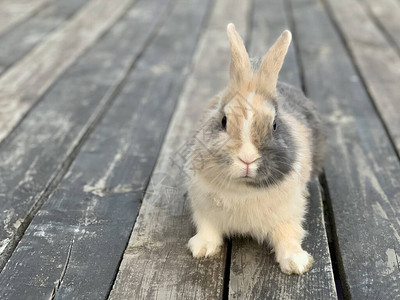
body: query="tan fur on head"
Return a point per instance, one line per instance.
(239, 104)
(243, 83)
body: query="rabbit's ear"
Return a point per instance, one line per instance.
(267, 76)
(240, 62)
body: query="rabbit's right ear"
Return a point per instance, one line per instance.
(240, 63)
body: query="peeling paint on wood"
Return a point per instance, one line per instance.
(362, 168)
(36, 152)
(115, 112)
(118, 156)
(156, 263)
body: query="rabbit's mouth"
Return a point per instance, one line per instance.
(247, 179)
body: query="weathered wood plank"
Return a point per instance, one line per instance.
(377, 60)
(22, 38)
(37, 153)
(156, 263)
(23, 84)
(12, 12)
(89, 217)
(362, 169)
(386, 13)
(254, 272)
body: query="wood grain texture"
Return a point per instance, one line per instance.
(89, 217)
(377, 60)
(386, 13)
(37, 153)
(156, 263)
(254, 272)
(22, 38)
(23, 84)
(14, 11)
(362, 169)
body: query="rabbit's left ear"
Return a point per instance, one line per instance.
(240, 63)
(267, 76)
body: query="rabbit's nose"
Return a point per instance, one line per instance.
(247, 161)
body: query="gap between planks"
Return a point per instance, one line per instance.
(25, 82)
(95, 109)
(255, 273)
(375, 59)
(18, 41)
(162, 244)
(385, 14)
(154, 207)
(150, 79)
(362, 168)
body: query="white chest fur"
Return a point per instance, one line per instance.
(249, 211)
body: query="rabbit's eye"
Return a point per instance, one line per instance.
(223, 122)
(274, 125)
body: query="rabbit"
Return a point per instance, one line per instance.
(259, 143)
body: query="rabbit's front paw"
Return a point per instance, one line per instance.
(201, 247)
(298, 263)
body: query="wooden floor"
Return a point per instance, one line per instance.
(97, 101)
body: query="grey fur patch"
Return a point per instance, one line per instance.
(278, 156)
(279, 151)
(298, 105)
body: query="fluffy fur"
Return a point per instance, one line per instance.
(249, 178)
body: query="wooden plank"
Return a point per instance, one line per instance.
(386, 13)
(37, 154)
(254, 273)
(13, 12)
(23, 84)
(22, 38)
(73, 247)
(156, 263)
(376, 59)
(361, 168)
